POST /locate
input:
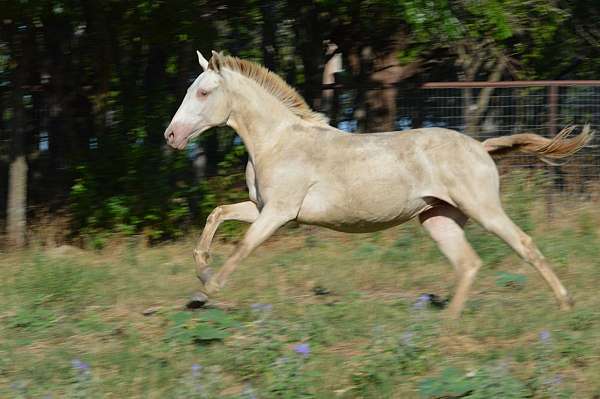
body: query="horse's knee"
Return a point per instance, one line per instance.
(215, 215)
(201, 257)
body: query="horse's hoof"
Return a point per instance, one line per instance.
(205, 275)
(567, 304)
(197, 301)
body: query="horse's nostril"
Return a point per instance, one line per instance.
(171, 136)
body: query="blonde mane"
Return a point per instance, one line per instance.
(272, 83)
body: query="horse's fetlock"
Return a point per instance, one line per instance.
(201, 257)
(212, 286)
(204, 275)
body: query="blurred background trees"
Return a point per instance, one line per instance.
(87, 88)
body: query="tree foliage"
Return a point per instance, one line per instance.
(99, 80)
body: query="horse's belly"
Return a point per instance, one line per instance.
(359, 213)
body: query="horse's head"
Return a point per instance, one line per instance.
(205, 105)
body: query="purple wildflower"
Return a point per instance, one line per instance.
(79, 365)
(196, 369)
(248, 392)
(422, 302)
(261, 307)
(407, 338)
(302, 349)
(20, 387)
(545, 336)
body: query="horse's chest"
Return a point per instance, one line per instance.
(284, 182)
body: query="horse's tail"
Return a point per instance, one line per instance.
(548, 150)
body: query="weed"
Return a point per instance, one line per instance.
(488, 382)
(209, 325)
(200, 382)
(33, 320)
(516, 281)
(82, 379)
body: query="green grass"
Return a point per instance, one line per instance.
(367, 339)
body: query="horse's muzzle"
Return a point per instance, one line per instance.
(177, 134)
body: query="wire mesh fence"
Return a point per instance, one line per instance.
(486, 109)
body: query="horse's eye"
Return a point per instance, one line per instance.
(202, 93)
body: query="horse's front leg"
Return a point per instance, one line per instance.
(265, 225)
(243, 211)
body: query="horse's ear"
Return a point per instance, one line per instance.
(215, 62)
(202, 61)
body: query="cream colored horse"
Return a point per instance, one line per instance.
(302, 169)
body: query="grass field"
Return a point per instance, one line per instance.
(311, 314)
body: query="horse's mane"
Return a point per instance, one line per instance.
(272, 83)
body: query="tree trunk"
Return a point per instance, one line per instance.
(386, 75)
(376, 73)
(329, 97)
(310, 48)
(471, 60)
(16, 213)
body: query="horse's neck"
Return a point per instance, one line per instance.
(257, 117)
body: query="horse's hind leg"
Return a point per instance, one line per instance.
(493, 218)
(444, 223)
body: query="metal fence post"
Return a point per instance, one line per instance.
(552, 109)
(554, 171)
